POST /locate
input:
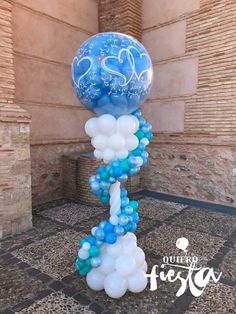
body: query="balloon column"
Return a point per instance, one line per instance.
(112, 76)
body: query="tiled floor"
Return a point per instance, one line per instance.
(37, 274)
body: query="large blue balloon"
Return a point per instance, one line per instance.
(112, 73)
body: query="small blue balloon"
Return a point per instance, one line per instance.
(123, 178)
(112, 73)
(102, 223)
(123, 192)
(99, 234)
(95, 186)
(96, 261)
(123, 220)
(129, 210)
(111, 238)
(119, 230)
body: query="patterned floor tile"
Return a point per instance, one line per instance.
(72, 213)
(54, 255)
(56, 303)
(206, 221)
(216, 299)
(41, 228)
(16, 285)
(157, 209)
(162, 241)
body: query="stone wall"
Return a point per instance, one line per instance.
(191, 106)
(15, 179)
(42, 58)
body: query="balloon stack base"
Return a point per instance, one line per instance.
(123, 268)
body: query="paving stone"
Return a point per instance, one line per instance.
(157, 209)
(216, 299)
(54, 255)
(228, 265)
(41, 228)
(16, 285)
(207, 221)
(56, 303)
(72, 213)
(162, 241)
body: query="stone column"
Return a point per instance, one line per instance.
(15, 177)
(124, 16)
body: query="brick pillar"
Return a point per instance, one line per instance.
(15, 178)
(124, 16)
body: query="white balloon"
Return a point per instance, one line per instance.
(114, 250)
(108, 154)
(137, 282)
(145, 267)
(116, 142)
(95, 279)
(108, 264)
(136, 123)
(91, 127)
(121, 154)
(125, 264)
(107, 124)
(99, 142)
(130, 235)
(129, 246)
(131, 142)
(126, 125)
(115, 285)
(83, 254)
(139, 256)
(97, 154)
(114, 220)
(145, 141)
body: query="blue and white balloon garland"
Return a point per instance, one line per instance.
(112, 76)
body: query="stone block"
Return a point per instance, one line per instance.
(83, 13)
(160, 11)
(166, 42)
(43, 82)
(52, 122)
(165, 117)
(43, 40)
(175, 78)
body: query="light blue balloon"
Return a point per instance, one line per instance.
(112, 73)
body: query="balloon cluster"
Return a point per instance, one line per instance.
(111, 138)
(126, 218)
(123, 268)
(112, 73)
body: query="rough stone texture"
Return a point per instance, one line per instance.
(56, 303)
(161, 241)
(197, 171)
(47, 254)
(47, 179)
(16, 285)
(215, 299)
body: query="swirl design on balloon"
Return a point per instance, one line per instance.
(112, 73)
